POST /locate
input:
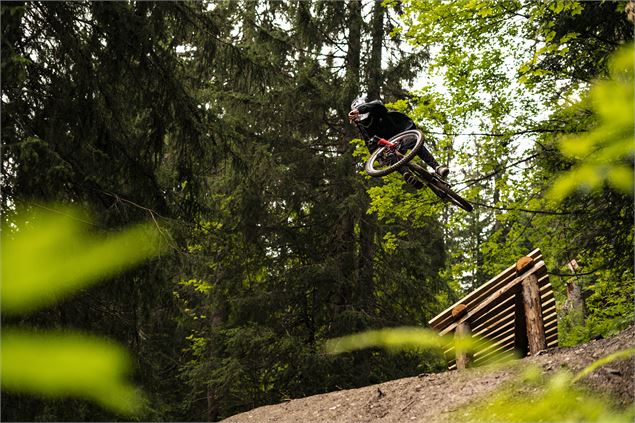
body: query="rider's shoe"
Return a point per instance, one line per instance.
(442, 171)
(412, 180)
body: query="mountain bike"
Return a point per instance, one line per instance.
(390, 156)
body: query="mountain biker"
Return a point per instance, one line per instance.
(375, 122)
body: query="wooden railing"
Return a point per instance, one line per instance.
(514, 312)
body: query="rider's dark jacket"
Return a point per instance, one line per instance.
(381, 122)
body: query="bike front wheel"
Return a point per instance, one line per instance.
(377, 165)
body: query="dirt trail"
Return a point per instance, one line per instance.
(439, 397)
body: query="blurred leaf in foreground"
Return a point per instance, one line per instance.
(606, 152)
(47, 255)
(552, 399)
(57, 364)
(404, 338)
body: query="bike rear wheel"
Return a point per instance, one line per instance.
(459, 201)
(446, 193)
(376, 166)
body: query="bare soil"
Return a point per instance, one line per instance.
(440, 397)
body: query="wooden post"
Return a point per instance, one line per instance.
(533, 314)
(463, 330)
(531, 308)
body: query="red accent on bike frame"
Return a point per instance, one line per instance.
(386, 142)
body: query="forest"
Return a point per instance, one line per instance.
(184, 201)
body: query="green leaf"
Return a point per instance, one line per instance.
(604, 149)
(388, 338)
(585, 177)
(62, 364)
(47, 256)
(403, 338)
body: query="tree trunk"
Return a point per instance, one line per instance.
(575, 302)
(374, 64)
(367, 225)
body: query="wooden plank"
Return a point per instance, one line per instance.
(496, 307)
(504, 302)
(552, 336)
(495, 335)
(543, 281)
(549, 305)
(551, 315)
(502, 355)
(500, 319)
(504, 329)
(482, 291)
(502, 334)
(495, 330)
(496, 346)
(495, 356)
(551, 327)
(552, 330)
(506, 347)
(551, 319)
(491, 321)
(502, 340)
(545, 296)
(479, 309)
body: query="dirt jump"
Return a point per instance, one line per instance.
(443, 397)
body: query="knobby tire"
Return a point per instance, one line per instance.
(370, 168)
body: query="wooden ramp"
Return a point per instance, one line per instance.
(515, 311)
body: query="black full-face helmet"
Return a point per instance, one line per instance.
(358, 102)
